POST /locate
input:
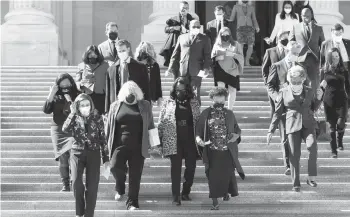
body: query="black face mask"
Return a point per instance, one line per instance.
(245, 2)
(225, 37)
(130, 98)
(92, 60)
(218, 105)
(284, 42)
(143, 56)
(65, 89)
(113, 35)
(181, 95)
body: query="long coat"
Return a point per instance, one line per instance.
(167, 125)
(202, 130)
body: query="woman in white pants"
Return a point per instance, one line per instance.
(228, 63)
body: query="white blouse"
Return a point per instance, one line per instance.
(283, 25)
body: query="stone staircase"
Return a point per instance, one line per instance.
(30, 181)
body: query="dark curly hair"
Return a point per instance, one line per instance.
(74, 91)
(185, 81)
(92, 48)
(218, 91)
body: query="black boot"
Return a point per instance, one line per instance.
(340, 140)
(333, 145)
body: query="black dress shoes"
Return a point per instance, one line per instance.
(311, 183)
(65, 188)
(287, 172)
(296, 189)
(185, 197)
(177, 200)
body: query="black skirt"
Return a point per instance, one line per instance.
(220, 173)
(62, 142)
(221, 76)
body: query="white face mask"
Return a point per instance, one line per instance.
(85, 111)
(288, 10)
(194, 31)
(297, 89)
(219, 17)
(292, 58)
(337, 38)
(123, 55)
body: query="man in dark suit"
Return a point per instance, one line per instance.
(273, 55)
(339, 42)
(191, 55)
(310, 36)
(299, 102)
(108, 48)
(231, 25)
(214, 26)
(276, 80)
(125, 69)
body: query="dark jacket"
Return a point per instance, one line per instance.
(211, 30)
(147, 121)
(173, 35)
(155, 82)
(277, 78)
(272, 55)
(327, 45)
(137, 73)
(93, 137)
(202, 130)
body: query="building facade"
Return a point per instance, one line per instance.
(58, 32)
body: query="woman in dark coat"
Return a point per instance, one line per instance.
(177, 119)
(335, 82)
(146, 54)
(218, 132)
(62, 94)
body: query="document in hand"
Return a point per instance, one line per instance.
(154, 137)
(106, 171)
(202, 74)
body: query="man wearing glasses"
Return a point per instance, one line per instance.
(191, 57)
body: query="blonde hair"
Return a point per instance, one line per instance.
(296, 73)
(130, 87)
(148, 48)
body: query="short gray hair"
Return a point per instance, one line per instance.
(130, 87)
(296, 73)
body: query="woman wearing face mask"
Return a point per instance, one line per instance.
(335, 82)
(90, 144)
(218, 132)
(299, 103)
(146, 54)
(129, 120)
(284, 21)
(62, 93)
(91, 77)
(228, 63)
(177, 120)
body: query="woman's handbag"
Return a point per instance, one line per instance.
(322, 130)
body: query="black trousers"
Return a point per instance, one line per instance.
(99, 102)
(189, 153)
(63, 165)
(85, 196)
(120, 156)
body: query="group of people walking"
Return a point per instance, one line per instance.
(106, 112)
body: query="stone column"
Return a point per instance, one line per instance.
(29, 34)
(327, 14)
(154, 31)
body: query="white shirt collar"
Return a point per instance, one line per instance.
(127, 60)
(111, 41)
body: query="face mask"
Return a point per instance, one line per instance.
(66, 89)
(85, 111)
(181, 95)
(284, 42)
(220, 17)
(225, 37)
(123, 55)
(297, 89)
(142, 56)
(113, 35)
(218, 105)
(130, 98)
(337, 38)
(93, 60)
(195, 31)
(288, 11)
(292, 58)
(245, 2)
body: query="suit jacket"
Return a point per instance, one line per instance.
(155, 81)
(298, 115)
(272, 55)
(202, 130)
(211, 30)
(191, 57)
(312, 44)
(327, 45)
(106, 50)
(147, 124)
(244, 20)
(167, 124)
(277, 78)
(137, 73)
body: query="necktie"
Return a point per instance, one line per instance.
(283, 54)
(192, 38)
(114, 49)
(124, 73)
(307, 31)
(219, 26)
